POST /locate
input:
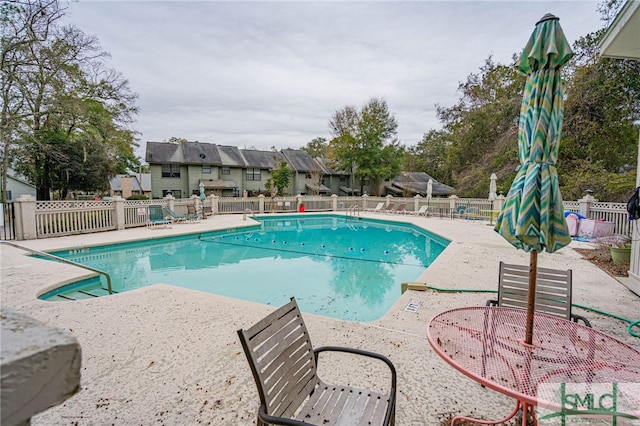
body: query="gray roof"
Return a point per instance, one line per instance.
(262, 159)
(301, 161)
(201, 153)
(417, 182)
(139, 182)
(182, 153)
(164, 152)
(327, 164)
(231, 156)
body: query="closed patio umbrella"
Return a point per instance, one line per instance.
(492, 187)
(532, 217)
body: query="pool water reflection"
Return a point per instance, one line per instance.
(339, 267)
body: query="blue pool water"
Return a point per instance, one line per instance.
(346, 268)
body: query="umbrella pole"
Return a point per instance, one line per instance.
(531, 300)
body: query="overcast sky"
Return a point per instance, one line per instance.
(272, 73)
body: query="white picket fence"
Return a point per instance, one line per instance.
(57, 218)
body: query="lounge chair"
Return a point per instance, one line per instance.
(460, 211)
(472, 213)
(422, 211)
(553, 291)
(181, 218)
(156, 216)
(191, 211)
(284, 367)
(388, 209)
(402, 209)
(206, 211)
(376, 209)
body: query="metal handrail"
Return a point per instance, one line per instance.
(353, 209)
(60, 259)
(248, 210)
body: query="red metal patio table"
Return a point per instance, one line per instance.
(486, 343)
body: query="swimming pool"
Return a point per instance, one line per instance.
(346, 268)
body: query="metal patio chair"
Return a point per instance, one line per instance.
(284, 367)
(181, 218)
(553, 291)
(156, 216)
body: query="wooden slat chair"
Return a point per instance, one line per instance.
(553, 291)
(283, 363)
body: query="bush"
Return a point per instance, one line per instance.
(137, 197)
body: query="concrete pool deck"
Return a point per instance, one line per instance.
(167, 355)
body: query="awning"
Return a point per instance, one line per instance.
(349, 191)
(218, 184)
(320, 189)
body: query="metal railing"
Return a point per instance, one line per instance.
(353, 210)
(60, 259)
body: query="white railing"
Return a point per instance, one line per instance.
(72, 217)
(612, 212)
(57, 218)
(231, 205)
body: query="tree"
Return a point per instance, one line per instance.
(488, 108)
(317, 147)
(62, 101)
(429, 156)
(365, 142)
(23, 25)
(280, 179)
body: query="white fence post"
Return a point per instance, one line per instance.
(585, 205)
(215, 204)
(388, 200)
(452, 202)
(498, 203)
(170, 201)
(261, 203)
(416, 202)
(365, 198)
(26, 218)
(118, 212)
(334, 202)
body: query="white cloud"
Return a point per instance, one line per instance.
(272, 73)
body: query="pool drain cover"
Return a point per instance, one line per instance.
(413, 306)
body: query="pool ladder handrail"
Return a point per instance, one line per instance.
(353, 210)
(60, 259)
(248, 210)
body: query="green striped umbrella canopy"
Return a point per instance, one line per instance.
(532, 217)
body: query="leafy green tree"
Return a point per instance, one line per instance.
(63, 101)
(317, 147)
(600, 139)
(430, 156)
(280, 179)
(365, 142)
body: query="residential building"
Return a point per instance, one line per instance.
(415, 183)
(132, 184)
(18, 185)
(228, 171)
(621, 41)
(308, 174)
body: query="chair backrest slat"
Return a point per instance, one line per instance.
(281, 358)
(553, 289)
(155, 212)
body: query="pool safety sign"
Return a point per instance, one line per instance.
(413, 306)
